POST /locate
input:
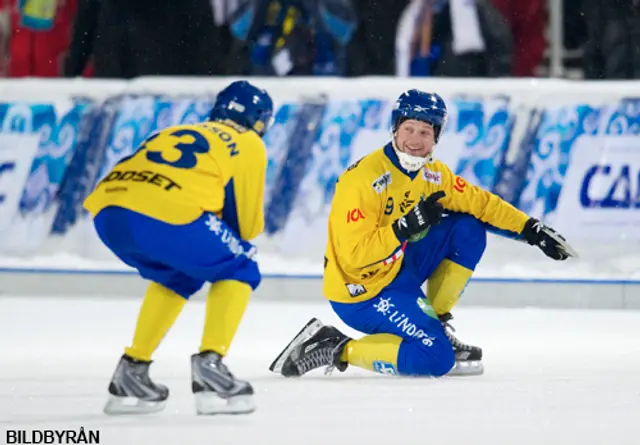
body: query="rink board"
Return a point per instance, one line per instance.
(481, 292)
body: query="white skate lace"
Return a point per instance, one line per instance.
(335, 354)
(315, 359)
(457, 344)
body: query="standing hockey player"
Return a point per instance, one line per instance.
(182, 210)
(399, 218)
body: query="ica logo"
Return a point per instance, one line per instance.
(460, 184)
(354, 215)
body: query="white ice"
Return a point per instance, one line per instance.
(552, 377)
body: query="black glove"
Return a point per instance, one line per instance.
(426, 213)
(537, 234)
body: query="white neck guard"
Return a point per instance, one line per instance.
(408, 162)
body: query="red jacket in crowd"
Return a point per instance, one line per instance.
(527, 20)
(40, 53)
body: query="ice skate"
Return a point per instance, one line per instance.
(468, 358)
(305, 334)
(315, 346)
(216, 390)
(132, 391)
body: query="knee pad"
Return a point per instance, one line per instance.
(417, 359)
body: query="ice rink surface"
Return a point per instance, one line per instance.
(552, 377)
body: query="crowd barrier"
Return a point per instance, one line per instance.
(566, 152)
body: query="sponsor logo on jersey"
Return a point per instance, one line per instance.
(382, 182)
(142, 176)
(370, 274)
(384, 368)
(407, 202)
(355, 290)
(228, 238)
(354, 215)
(460, 184)
(388, 208)
(388, 309)
(431, 176)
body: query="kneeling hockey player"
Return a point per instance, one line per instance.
(398, 219)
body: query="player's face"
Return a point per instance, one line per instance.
(415, 138)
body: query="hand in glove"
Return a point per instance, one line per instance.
(548, 240)
(415, 224)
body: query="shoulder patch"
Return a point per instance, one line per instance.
(382, 182)
(355, 290)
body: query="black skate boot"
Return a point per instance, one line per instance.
(216, 390)
(468, 358)
(132, 391)
(315, 346)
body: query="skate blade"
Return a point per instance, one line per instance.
(209, 403)
(308, 331)
(467, 368)
(116, 406)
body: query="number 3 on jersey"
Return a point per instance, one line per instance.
(188, 150)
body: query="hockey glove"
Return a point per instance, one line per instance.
(414, 225)
(548, 240)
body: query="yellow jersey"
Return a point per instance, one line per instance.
(181, 172)
(363, 254)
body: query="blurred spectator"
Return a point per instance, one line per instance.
(5, 31)
(40, 36)
(454, 38)
(612, 50)
(527, 21)
(372, 49)
(295, 37)
(129, 38)
(575, 28)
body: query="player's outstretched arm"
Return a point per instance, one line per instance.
(498, 213)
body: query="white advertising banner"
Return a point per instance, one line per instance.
(600, 198)
(17, 152)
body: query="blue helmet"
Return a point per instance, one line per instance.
(244, 104)
(421, 106)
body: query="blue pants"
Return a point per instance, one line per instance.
(180, 257)
(400, 308)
